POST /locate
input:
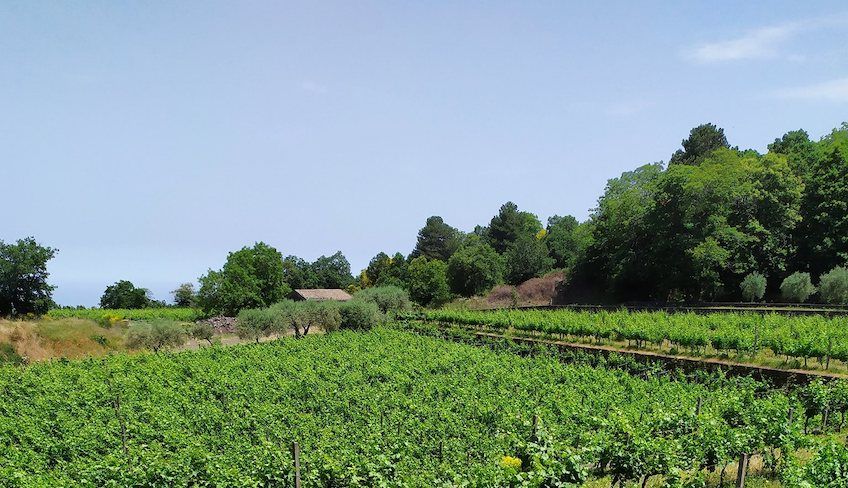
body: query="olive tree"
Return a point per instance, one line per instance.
(797, 287)
(156, 335)
(753, 287)
(833, 286)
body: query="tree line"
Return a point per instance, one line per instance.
(715, 223)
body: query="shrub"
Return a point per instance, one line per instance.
(753, 287)
(389, 299)
(156, 335)
(306, 315)
(797, 287)
(833, 286)
(255, 323)
(202, 331)
(359, 315)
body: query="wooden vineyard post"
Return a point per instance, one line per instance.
(824, 418)
(743, 468)
(698, 407)
(535, 426)
(296, 454)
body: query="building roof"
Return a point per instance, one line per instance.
(324, 294)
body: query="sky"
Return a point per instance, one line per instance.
(146, 140)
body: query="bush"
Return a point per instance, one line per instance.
(359, 315)
(306, 315)
(797, 287)
(833, 286)
(202, 331)
(753, 287)
(255, 323)
(156, 335)
(389, 299)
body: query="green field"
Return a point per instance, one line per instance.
(383, 408)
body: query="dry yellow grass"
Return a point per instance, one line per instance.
(37, 340)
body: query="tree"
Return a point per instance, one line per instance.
(389, 299)
(526, 258)
(396, 274)
(252, 277)
(332, 271)
(202, 331)
(823, 234)
(256, 323)
(303, 316)
(23, 278)
(428, 285)
(184, 295)
(436, 240)
(616, 259)
(298, 273)
(378, 265)
(475, 268)
(156, 335)
(510, 224)
(702, 140)
(797, 287)
(567, 240)
(753, 287)
(833, 286)
(124, 294)
(358, 314)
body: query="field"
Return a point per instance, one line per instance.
(382, 408)
(773, 339)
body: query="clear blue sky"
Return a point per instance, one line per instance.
(145, 140)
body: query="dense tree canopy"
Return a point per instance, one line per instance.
(428, 283)
(509, 225)
(23, 278)
(526, 258)
(702, 141)
(332, 271)
(252, 277)
(437, 240)
(475, 268)
(124, 294)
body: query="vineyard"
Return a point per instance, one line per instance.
(790, 337)
(105, 316)
(392, 408)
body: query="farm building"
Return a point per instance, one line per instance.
(321, 294)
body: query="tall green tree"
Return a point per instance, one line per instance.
(527, 258)
(475, 268)
(428, 284)
(509, 225)
(437, 240)
(615, 261)
(23, 278)
(396, 273)
(252, 277)
(185, 295)
(822, 237)
(567, 240)
(378, 265)
(702, 141)
(124, 294)
(332, 271)
(298, 273)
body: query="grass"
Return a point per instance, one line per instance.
(47, 338)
